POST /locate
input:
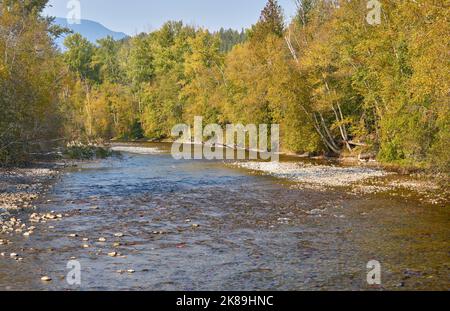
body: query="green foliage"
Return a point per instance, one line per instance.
(106, 59)
(79, 57)
(271, 22)
(86, 152)
(139, 60)
(230, 38)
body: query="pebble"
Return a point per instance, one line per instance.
(112, 254)
(195, 226)
(131, 271)
(13, 255)
(46, 279)
(85, 246)
(73, 235)
(102, 240)
(85, 239)
(119, 235)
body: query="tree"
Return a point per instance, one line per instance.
(30, 82)
(304, 11)
(271, 22)
(79, 57)
(139, 65)
(106, 60)
(203, 77)
(229, 38)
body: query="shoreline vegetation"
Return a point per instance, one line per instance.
(335, 84)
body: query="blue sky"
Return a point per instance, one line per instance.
(134, 16)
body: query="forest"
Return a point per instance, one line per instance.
(336, 84)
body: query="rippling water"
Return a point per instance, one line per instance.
(255, 232)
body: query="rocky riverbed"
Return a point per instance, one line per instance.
(21, 187)
(356, 180)
(149, 222)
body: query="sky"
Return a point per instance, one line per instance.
(135, 16)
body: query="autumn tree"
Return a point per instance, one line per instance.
(30, 82)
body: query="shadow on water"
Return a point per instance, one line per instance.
(200, 225)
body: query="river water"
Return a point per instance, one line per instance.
(203, 225)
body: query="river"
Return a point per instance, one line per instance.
(204, 225)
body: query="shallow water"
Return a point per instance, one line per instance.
(255, 232)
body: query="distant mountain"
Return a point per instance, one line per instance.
(88, 29)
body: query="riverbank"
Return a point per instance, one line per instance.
(355, 159)
(358, 177)
(21, 187)
(356, 180)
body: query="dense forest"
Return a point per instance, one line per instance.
(334, 83)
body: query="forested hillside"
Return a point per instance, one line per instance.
(334, 83)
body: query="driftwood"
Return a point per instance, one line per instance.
(354, 143)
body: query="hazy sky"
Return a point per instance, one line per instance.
(133, 16)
